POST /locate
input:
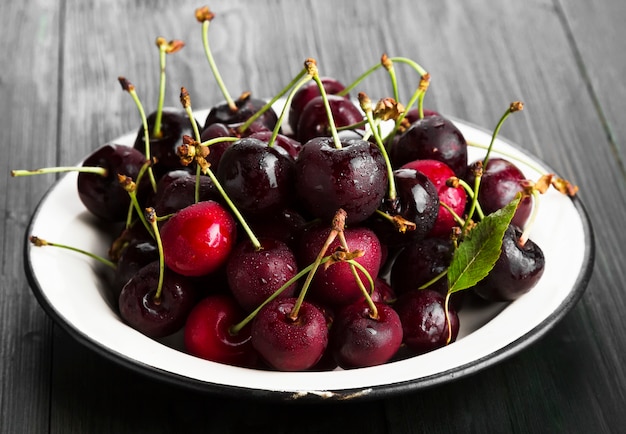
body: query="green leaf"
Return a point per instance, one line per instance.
(479, 251)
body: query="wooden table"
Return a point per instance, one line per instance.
(60, 99)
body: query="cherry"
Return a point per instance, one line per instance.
(383, 292)
(102, 195)
(283, 143)
(180, 193)
(433, 138)
(214, 131)
(454, 197)
(336, 285)
(137, 254)
(359, 340)
(417, 202)
(305, 94)
(156, 316)
(517, 270)
(352, 177)
(174, 125)
(254, 275)
(198, 239)
(246, 107)
(501, 181)
(257, 178)
(207, 332)
(313, 121)
(290, 344)
(419, 263)
(284, 226)
(424, 320)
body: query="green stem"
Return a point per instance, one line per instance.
(155, 227)
(146, 135)
(271, 102)
(434, 279)
(356, 82)
(329, 114)
(301, 81)
(156, 129)
(36, 241)
(213, 65)
(234, 330)
(392, 192)
(61, 169)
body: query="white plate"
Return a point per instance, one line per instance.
(71, 290)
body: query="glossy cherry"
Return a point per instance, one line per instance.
(353, 177)
(305, 94)
(152, 316)
(207, 332)
(313, 121)
(517, 270)
(290, 344)
(103, 196)
(254, 275)
(246, 107)
(433, 138)
(198, 239)
(359, 340)
(259, 179)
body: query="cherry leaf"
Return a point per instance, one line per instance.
(479, 251)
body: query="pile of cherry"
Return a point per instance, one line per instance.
(308, 238)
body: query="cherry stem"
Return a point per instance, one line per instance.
(513, 107)
(131, 188)
(366, 106)
(338, 225)
(474, 204)
(271, 102)
(151, 217)
(312, 70)
(61, 169)
(285, 109)
(39, 242)
(434, 279)
(353, 266)
(186, 102)
(448, 322)
(531, 220)
(130, 88)
(209, 55)
(418, 96)
(387, 63)
(470, 192)
(511, 156)
(457, 218)
(156, 130)
(234, 330)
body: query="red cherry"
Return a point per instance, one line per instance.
(207, 332)
(198, 239)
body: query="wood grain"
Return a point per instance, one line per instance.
(61, 100)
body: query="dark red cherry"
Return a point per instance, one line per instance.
(216, 150)
(433, 138)
(254, 275)
(305, 94)
(352, 177)
(336, 285)
(358, 340)
(517, 270)
(246, 107)
(207, 332)
(424, 323)
(154, 317)
(174, 124)
(313, 121)
(259, 179)
(501, 181)
(285, 226)
(282, 143)
(103, 196)
(287, 344)
(136, 255)
(454, 197)
(198, 239)
(417, 202)
(181, 193)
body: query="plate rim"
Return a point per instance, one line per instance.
(371, 392)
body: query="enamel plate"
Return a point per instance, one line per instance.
(73, 291)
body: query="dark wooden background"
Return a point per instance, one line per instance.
(59, 99)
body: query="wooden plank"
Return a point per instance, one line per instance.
(28, 134)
